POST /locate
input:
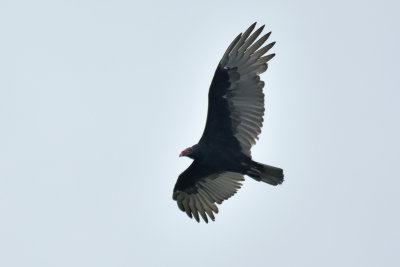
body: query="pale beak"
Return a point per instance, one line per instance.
(181, 155)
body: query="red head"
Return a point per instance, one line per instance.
(187, 152)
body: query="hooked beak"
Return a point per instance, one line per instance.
(181, 154)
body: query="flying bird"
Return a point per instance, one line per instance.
(234, 120)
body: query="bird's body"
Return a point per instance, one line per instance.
(234, 121)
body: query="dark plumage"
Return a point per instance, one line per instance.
(234, 121)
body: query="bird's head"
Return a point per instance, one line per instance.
(190, 152)
(187, 152)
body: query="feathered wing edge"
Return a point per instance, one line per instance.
(244, 62)
(209, 190)
(243, 42)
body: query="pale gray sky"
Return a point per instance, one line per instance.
(97, 99)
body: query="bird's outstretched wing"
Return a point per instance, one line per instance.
(236, 100)
(198, 189)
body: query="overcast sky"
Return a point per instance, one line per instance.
(98, 98)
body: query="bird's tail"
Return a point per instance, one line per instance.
(265, 173)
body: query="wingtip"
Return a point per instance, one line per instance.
(252, 26)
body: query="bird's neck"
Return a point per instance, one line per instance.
(197, 152)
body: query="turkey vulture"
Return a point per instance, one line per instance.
(234, 121)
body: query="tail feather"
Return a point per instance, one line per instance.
(265, 173)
